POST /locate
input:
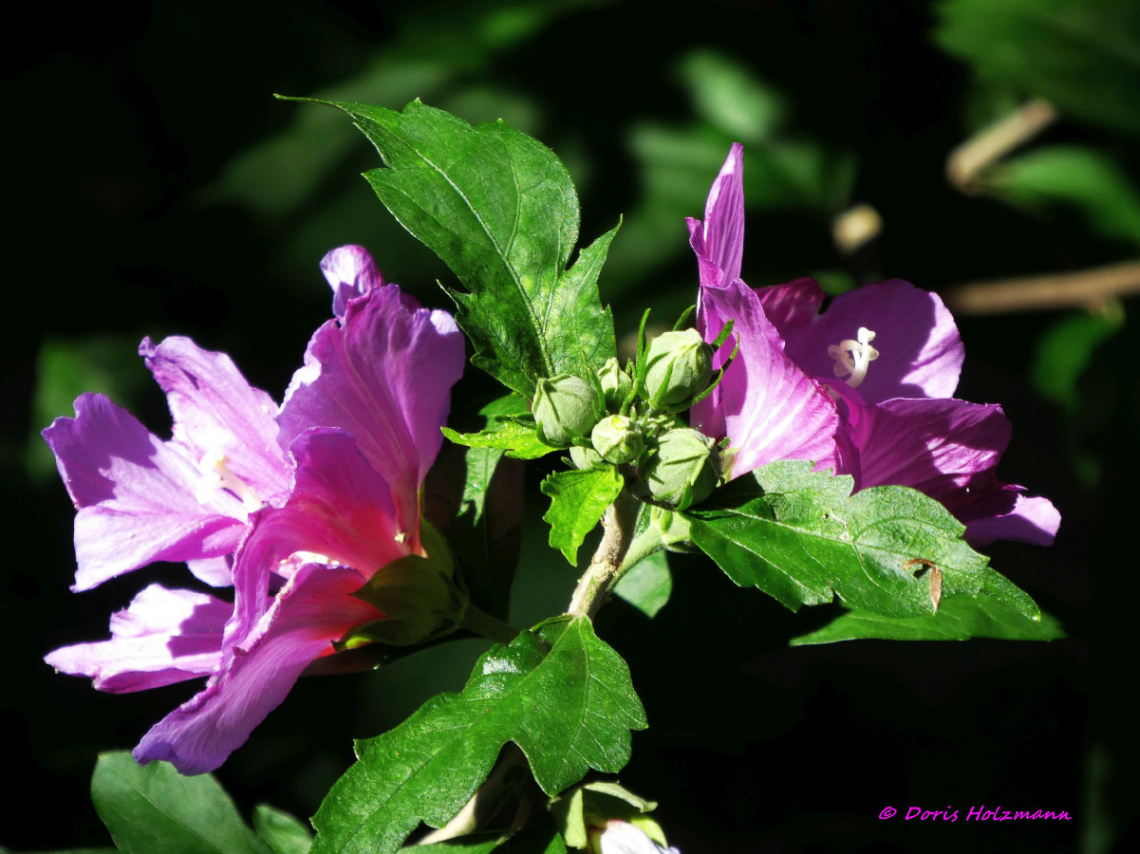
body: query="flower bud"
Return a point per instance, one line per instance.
(616, 384)
(683, 470)
(680, 367)
(584, 458)
(566, 409)
(618, 439)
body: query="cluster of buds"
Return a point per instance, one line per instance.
(630, 418)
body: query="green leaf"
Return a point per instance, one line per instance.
(801, 537)
(578, 499)
(647, 585)
(283, 833)
(500, 210)
(1081, 55)
(958, 618)
(563, 696)
(154, 808)
(1066, 350)
(518, 440)
(1083, 178)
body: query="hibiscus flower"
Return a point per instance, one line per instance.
(864, 387)
(305, 503)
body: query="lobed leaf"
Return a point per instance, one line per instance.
(563, 696)
(578, 499)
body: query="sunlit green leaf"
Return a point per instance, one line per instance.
(577, 501)
(563, 696)
(282, 832)
(801, 537)
(647, 585)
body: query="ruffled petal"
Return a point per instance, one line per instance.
(765, 404)
(314, 608)
(139, 499)
(218, 413)
(1004, 512)
(920, 351)
(163, 637)
(719, 240)
(939, 447)
(385, 376)
(351, 273)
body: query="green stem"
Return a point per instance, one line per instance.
(481, 623)
(620, 521)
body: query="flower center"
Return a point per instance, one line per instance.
(853, 357)
(218, 476)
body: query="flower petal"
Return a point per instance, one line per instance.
(920, 352)
(1005, 513)
(138, 497)
(216, 411)
(314, 608)
(350, 272)
(791, 305)
(765, 404)
(940, 447)
(719, 240)
(385, 376)
(163, 637)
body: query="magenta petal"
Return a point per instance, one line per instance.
(385, 376)
(350, 272)
(920, 352)
(314, 608)
(940, 447)
(137, 496)
(217, 412)
(1005, 513)
(765, 404)
(719, 240)
(791, 305)
(163, 637)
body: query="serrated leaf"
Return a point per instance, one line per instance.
(563, 696)
(647, 585)
(154, 808)
(283, 833)
(801, 537)
(519, 441)
(500, 210)
(1081, 55)
(456, 846)
(958, 618)
(578, 499)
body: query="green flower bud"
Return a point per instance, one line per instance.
(584, 458)
(618, 439)
(566, 409)
(680, 367)
(684, 469)
(616, 384)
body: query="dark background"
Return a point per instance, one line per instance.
(155, 188)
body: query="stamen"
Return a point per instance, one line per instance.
(854, 357)
(218, 476)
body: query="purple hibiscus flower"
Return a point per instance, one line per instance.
(865, 387)
(305, 503)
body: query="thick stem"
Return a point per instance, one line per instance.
(619, 523)
(482, 623)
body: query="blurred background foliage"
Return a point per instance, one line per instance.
(962, 145)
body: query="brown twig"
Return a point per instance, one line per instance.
(969, 160)
(1084, 288)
